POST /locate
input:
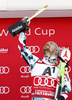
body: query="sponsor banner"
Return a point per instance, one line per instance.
(15, 74)
(43, 86)
(37, 31)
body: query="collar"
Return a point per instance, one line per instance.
(50, 60)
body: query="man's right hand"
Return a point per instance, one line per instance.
(60, 98)
(24, 20)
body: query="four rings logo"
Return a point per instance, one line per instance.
(34, 49)
(44, 81)
(25, 89)
(25, 69)
(4, 90)
(4, 70)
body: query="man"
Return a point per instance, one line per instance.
(44, 72)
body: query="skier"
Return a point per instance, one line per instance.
(44, 72)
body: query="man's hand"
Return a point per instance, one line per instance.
(24, 20)
(60, 98)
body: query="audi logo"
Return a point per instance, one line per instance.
(33, 49)
(44, 81)
(4, 90)
(25, 69)
(25, 89)
(4, 70)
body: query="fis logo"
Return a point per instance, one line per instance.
(4, 32)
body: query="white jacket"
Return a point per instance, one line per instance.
(44, 74)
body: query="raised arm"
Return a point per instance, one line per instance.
(27, 55)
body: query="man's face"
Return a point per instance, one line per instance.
(49, 49)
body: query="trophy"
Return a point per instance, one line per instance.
(22, 25)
